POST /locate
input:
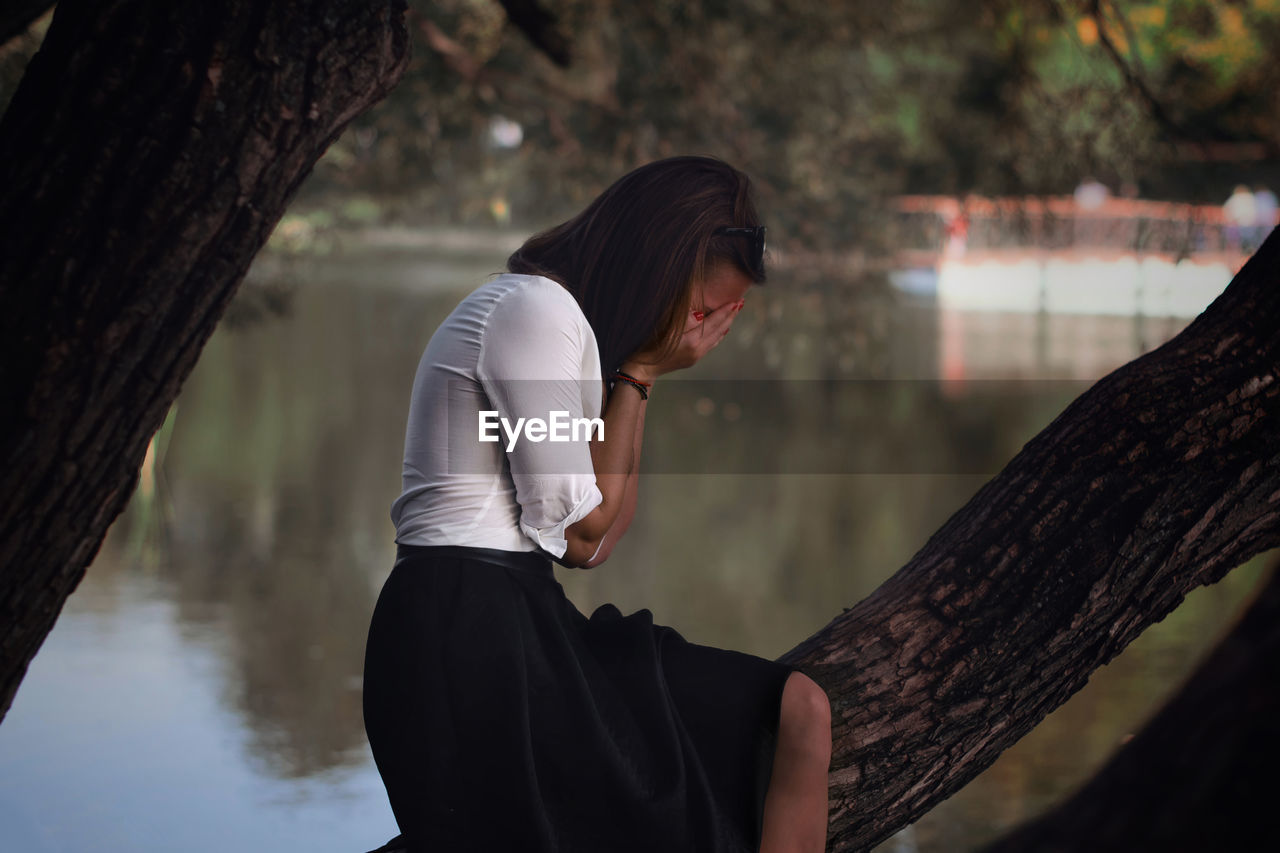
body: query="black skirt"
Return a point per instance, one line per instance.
(502, 719)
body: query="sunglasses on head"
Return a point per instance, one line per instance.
(756, 235)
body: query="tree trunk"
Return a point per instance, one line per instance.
(1161, 477)
(146, 157)
(1201, 774)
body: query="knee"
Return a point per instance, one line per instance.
(806, 714)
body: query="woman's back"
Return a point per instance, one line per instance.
(518, 345)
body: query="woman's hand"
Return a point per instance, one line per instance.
(702, 332)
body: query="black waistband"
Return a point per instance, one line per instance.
(525, 561)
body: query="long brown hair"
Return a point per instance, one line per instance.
(632, 256)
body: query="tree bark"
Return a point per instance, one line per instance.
(1201, 774)
(144, 160)
(1161, 477)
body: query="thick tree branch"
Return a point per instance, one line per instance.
(454, 55)
(1200, 775)
(1162, 477)
(146, 157)
(539, 26)
(1134, 79)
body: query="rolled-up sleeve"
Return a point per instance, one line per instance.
(531, 367)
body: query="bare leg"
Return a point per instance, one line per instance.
(795, 807)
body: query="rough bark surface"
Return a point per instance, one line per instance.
(1201, 774)
(1161, 477)
(150, 150)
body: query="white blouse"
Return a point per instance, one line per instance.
(519, 346)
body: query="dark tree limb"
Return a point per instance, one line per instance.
(1135, 80)
(144, 160)
(1160, 478)
(16, 16)
(1201, 774)
(539, 26)
(454, 55)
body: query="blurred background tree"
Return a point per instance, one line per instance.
(831, 106)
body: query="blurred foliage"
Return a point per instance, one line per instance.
(831, 106)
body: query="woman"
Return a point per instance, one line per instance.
(499, 716)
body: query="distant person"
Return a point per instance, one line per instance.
(1091, 194)
(1264, 213)
(1239, 212)
(957, 230)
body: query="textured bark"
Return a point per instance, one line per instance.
(1161, 477)
(1201, 774)
(150, 150)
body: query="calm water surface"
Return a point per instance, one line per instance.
(201, 690)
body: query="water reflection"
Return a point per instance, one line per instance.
(281, 466)
(795, 470)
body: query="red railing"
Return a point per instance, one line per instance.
(940, 223)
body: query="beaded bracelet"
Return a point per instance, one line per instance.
(628, 376)
(634, 383)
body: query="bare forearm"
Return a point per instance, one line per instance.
(616, 459)
(633, 484)
(629, 500)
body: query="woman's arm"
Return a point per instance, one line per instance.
(616, 458)
(629, 499)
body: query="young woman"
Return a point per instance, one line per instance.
(501, 718)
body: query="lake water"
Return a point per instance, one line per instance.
(201, 690)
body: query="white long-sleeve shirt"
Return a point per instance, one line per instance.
(518, 345)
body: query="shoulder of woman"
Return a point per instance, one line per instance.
(535, 303)
(532, 322)
(537, 290)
